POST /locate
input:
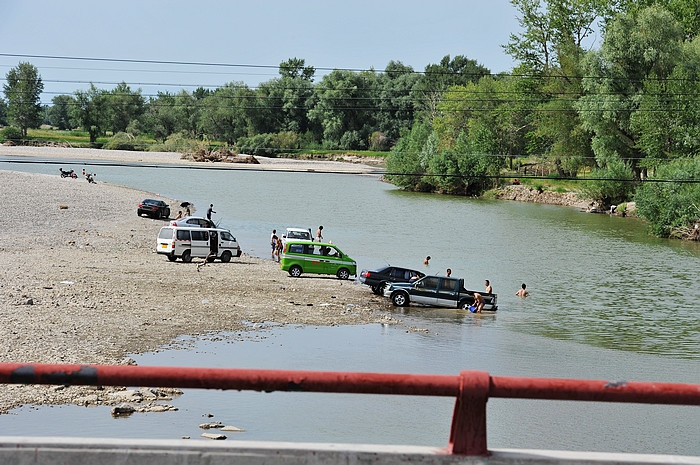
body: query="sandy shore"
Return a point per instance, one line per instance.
(80, 281)
(350, 165)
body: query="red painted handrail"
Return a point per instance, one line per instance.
(471, 389)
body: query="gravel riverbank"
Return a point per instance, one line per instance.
(80, 282)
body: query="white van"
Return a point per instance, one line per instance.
(210, 243)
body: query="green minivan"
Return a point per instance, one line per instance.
(316, 257)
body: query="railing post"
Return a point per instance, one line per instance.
(468, 433)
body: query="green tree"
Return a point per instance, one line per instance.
(124, 106)
(225, 112)
(59, 112)
(671, 207)
(395, 103)
(344, 104)
(637, 48)
(22, 90)
(3, 112)
(437, 78)
(405, 164)
(90, 111)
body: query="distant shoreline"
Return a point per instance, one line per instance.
(175, 158)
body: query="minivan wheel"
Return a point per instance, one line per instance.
(399, 299)
(186, 256)
(226, 257)
(343, 273)
(295, 271)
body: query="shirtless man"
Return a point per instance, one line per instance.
(478, 302)
(489, 289)
(522, 292)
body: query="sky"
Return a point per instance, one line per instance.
(241, 41)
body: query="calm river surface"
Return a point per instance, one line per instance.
(607, 302)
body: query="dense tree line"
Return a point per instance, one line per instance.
(625, 112)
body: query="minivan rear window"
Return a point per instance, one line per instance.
(165, 233)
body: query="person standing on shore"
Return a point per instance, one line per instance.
(210, 211)
(273, 242)
(278, 248)
(319, 234)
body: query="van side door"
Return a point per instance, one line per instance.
(200, 242)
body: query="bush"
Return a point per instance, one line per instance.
(178, 142)
(124, 141)
(613, 184)
(12, 134)
(671, 205)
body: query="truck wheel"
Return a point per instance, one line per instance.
(295, 271)
(399, 299)
(186, 256)
(464, 304)
(343, 273)
(226, 257)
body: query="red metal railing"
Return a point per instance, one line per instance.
(471, 389)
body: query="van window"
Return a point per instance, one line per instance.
(226, 236)
(300, 248)
(165, 233)
(200, 235)
(183, 235)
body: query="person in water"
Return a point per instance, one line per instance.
(478, 302)
(489, 289)
(522, 292)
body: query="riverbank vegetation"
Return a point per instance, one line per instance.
(605, 94)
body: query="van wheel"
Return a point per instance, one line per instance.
(172, 257)
(295, 271)
(399, 299)
(186, 256)
(343, 273)
(226, 257)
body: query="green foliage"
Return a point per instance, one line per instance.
(11, 133)
(59, 112)
(404, 162)
(268, 145)
(613, 184)
(178, 142)
(124, 141)
(669, 205)
(22, 90)
(90, 111)
(3, 112)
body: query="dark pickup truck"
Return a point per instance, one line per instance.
(437, 291)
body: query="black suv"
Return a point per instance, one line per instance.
(154, 208)
(378, 279)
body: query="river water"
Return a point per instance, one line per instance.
(607, 302)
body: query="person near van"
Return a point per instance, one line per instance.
(278, 248)
(273, 243)
(179, 215)
(210, 211)
(319, 235)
